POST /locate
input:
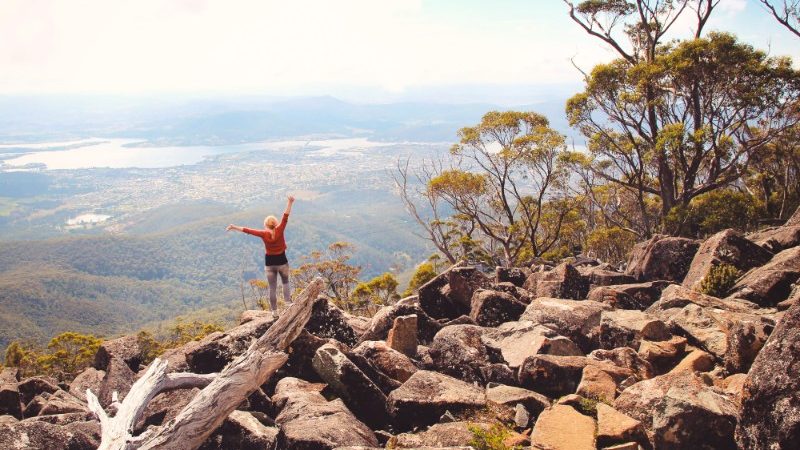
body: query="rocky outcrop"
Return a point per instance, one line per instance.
(459, 351)
(242, 431)
(726, 247)
(563, 281)
(423, 399)
(629, 296)
(661, 258)
(771, 283)
(681, 410)
(449, 294)
(556, 376)
(307, 420)
(492, 308)
(577, 320)
(389, 361)
(383, 320)
(563, 428)
(627, 328)
(777, 239)
(533, 402)
(769, 417)
(519, 340)
(403, 335)
(441, 435)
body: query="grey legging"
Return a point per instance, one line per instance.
(272, 279)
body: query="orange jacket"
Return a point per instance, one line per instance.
(274, 244)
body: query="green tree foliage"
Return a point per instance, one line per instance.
(720, 280)
(610, 244)
(182, 332)
(715, 211)
(149, 347)
(422, 274)
(672, 121)
(333, 266)
(379, 291)
(69, 353)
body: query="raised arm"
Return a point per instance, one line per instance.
(289, 203)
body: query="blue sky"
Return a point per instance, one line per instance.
(365, 50)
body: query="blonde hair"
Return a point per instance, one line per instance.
(271, 222)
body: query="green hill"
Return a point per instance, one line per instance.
(111, 284)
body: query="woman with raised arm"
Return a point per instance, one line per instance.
(275, 253)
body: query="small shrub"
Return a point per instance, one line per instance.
(720, 280)
(492, 438)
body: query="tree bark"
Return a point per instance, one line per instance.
(220, 396)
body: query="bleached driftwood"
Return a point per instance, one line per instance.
(221, 393)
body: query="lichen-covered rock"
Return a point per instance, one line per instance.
(403, 335)
(59, 402)
(212, 353)
(533, 402)
(577, 320)
(614, 427)
(663, 355)
(563, 428)
(602, 276)
(676, 296)
(358, 392)
(681, 411)
(423, 399)
(519, 340)
(165, 407)
(440, 435)
(777, 239)
(383, 320)
(125, 348)
(627, 328)
(328, 321)
(34, 434)
(389, 361)
(33, 386)
(770, 409)
(629, 296)
(492, 308)
(459, 351)
(661, 258)
(726, 247)
(771, 283)
(90, 378)
(118, 378)
(513, 275)
(556, 376)
(448, 295)
(308, 421)
(564, 281)
(695, 361)
(10, 402)
(241, 431)
(626, 358)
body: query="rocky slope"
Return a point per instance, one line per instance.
(576, 356)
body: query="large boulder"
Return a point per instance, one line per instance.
(452, 434)
(662, 258)
(513, 275)
(383, 320)
(328, 321)
(626, 358)
(389, 361)
(118, 378)
(90, 378)
(556, 376)
(563, 428)
(519, 340)
(423, 399)
(165, 407)
(449, 294)
(681, 410)
(308, 421)
(33, 386)
(776, 239)
(771, 283)
(511, 396)
(663, 355)
(10, 402)
(629, 296)
(241, 431)
(676, 297)
(614, 427)
(770, 409)
(602, 276)
(59, 402)
(735, 338)
(726, 247)
(36, 434)
(564, 281)
(459, 351)
(216, 350)
(627, 328)
(491, 308)
(577, 320)
(403, 335)
(347, 381)
(125, 349)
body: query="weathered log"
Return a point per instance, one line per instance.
(221, 393)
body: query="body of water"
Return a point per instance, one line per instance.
(127, 153)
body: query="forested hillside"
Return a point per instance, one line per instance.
(109, 284)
